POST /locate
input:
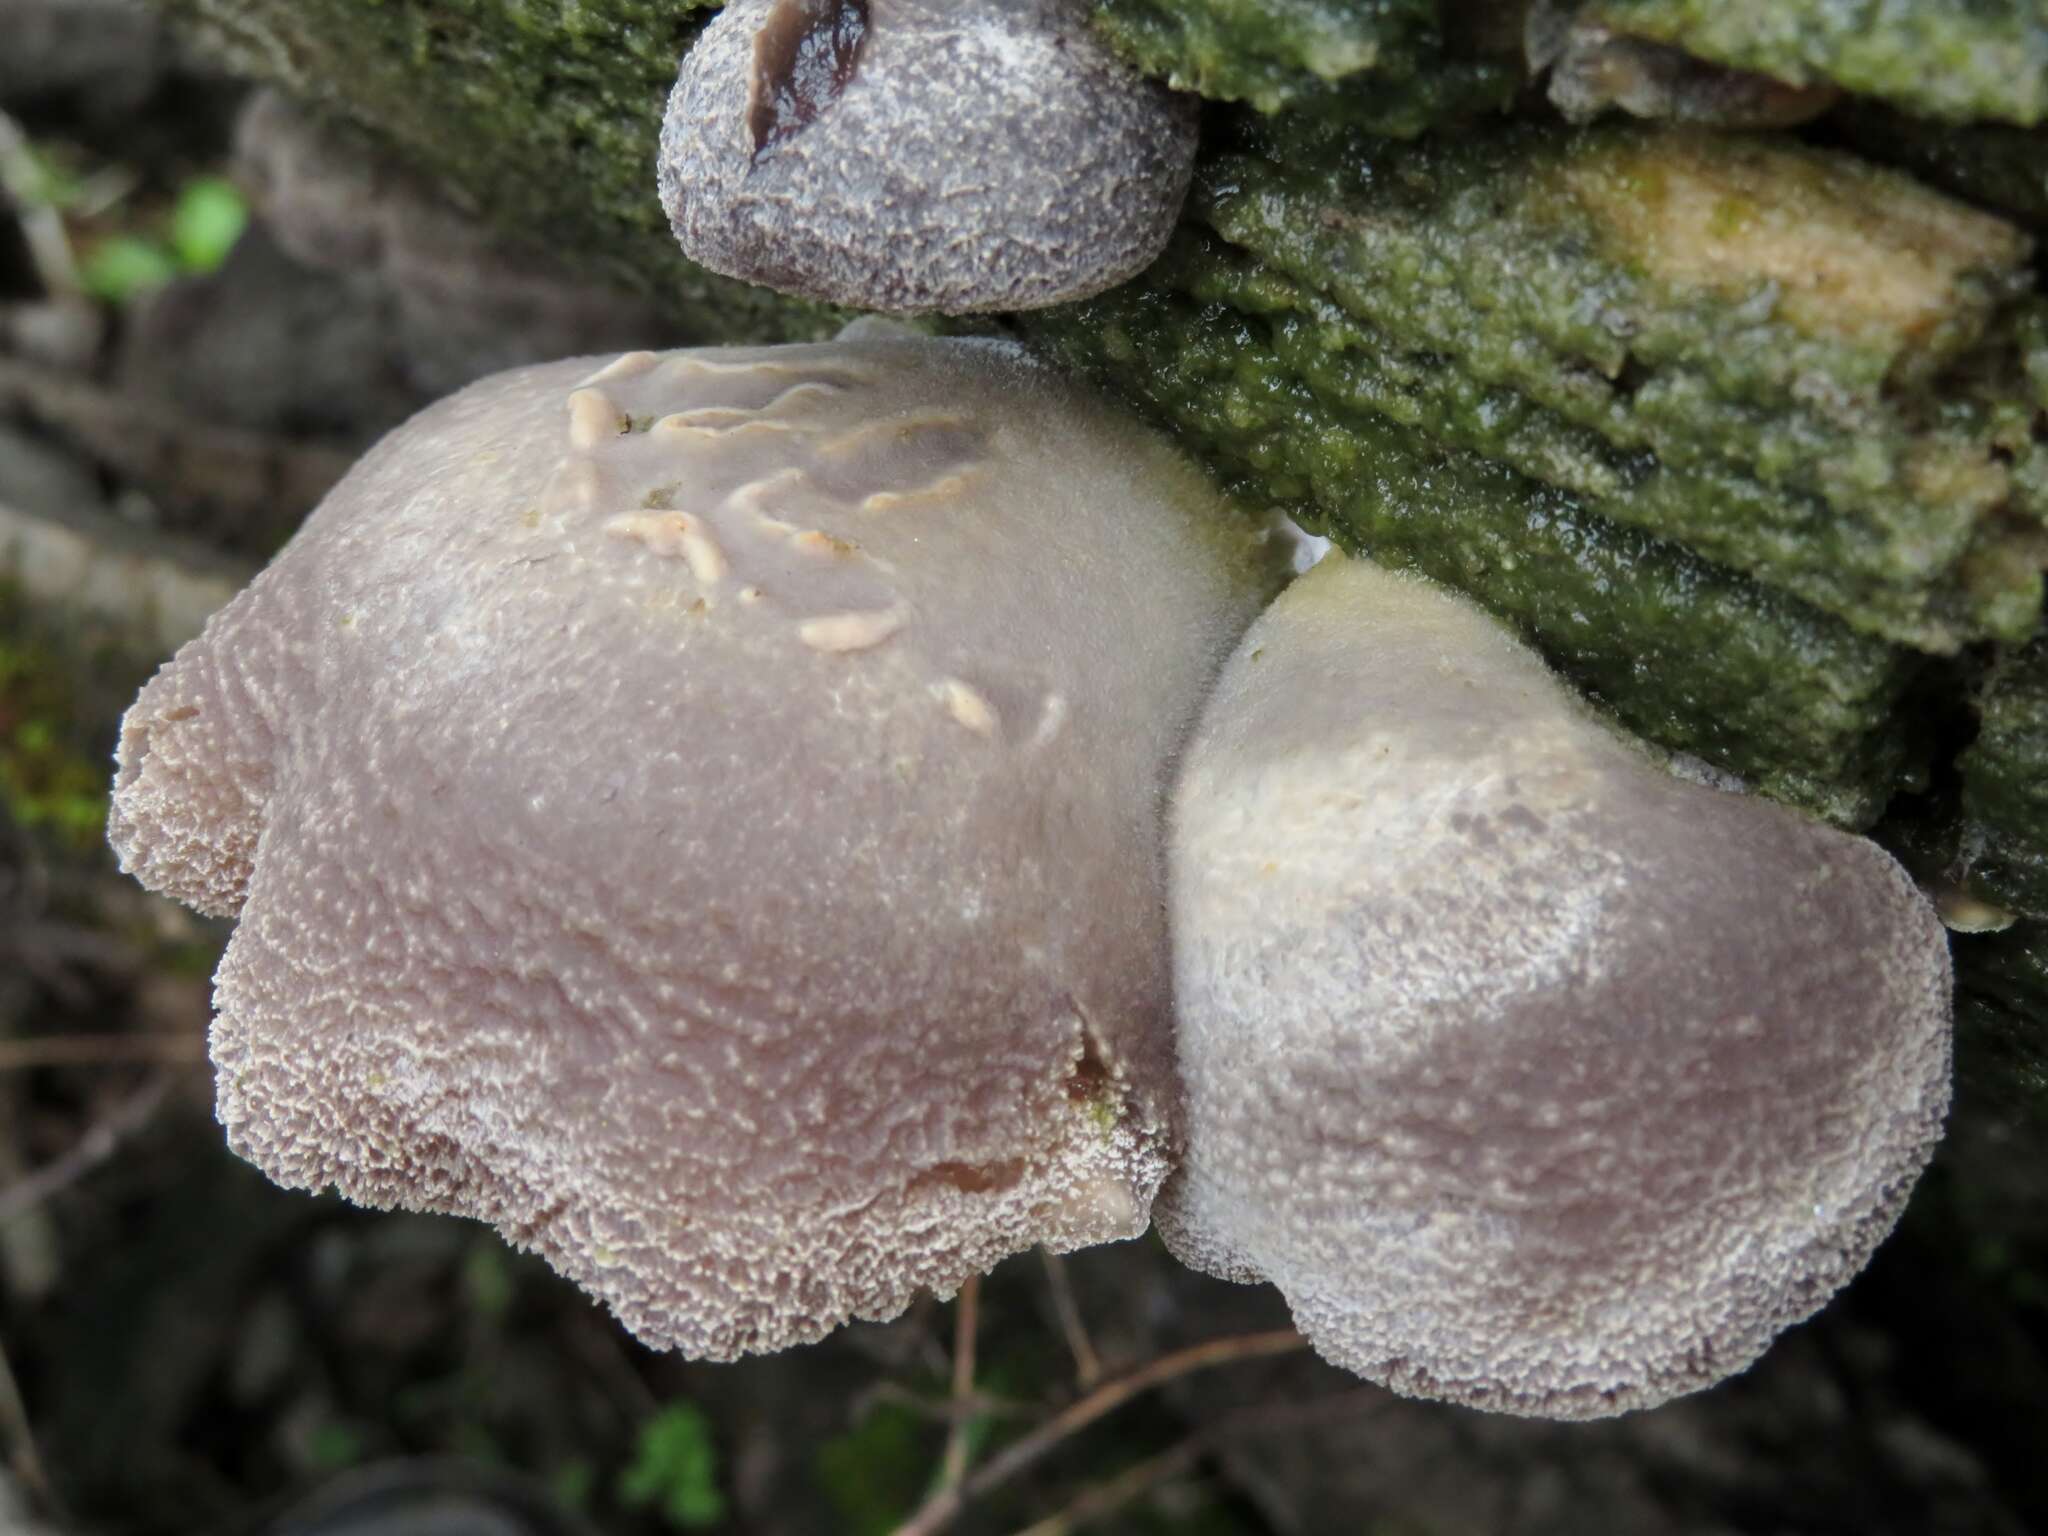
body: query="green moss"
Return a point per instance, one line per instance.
(54, 773)
(1940, 58)
(545, 112)
(1855, 568)
(1828, 398)
(1381, 64)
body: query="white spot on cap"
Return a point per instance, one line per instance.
(815, 541)
(593, 417)
(947, 488)
(662, 532)
(718, 421)
(707, 560)
(757, 496)
(629, 366)
(674, 533)
(890, 428)
(804, 393)
(968, 705)
(850, 631)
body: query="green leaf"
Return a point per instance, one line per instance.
(126, 266)
(675, 1467)
(209, 218)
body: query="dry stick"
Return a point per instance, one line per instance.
(944, 1505)
(100, 1141)
(1087, 1364)
(1100, 1499)
(101, 1050)
(966, 1321)
(22, 1456)
(42, 226)
(975, 1405)
(1103, 1498)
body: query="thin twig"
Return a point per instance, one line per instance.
(100, 1141)
(940, 1510)
(1087, 1364)
(102, 1051)
(1100, 1499)
(42, 226)
(22, 1456)
(975, 1405)
(960, 1434)
(240, 469)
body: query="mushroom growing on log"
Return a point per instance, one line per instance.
(1538, 1079)
(914, 156)
(701, 815)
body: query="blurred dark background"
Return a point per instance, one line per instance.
(209, 302)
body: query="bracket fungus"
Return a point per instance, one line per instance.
(701, 814)
(914, 156)
(1537, 1078)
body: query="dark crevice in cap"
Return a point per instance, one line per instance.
(804, 56)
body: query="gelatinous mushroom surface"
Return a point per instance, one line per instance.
(700, 814)
(1536, 1078)
(921, 155)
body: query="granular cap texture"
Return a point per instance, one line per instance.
(700, 814)
(1536, 1078)
(914, 156)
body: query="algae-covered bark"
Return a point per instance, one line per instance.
(545, 112)
(1394, 66)
(1942, 58)
(1803, 358)
(1736, 430)
(1690, 655)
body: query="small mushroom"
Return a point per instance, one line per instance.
(1537, 1079)
(914, 156)
(701, 814)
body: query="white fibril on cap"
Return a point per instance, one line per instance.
(917, 156)
(1537, 1078)
(701, 814)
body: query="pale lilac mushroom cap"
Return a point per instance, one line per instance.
(913, 156)
(1536, 1078)
(701, 815)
